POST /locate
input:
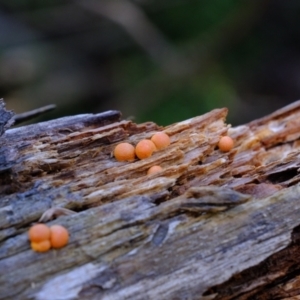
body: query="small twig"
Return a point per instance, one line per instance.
(55, 212)
(19, 118)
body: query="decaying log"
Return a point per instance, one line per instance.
(211, 225)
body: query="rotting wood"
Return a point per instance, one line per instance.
(211, 225)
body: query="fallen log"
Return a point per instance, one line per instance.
(210, 225)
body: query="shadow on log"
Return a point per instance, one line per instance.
(210, 225)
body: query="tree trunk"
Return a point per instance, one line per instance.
(210, 225)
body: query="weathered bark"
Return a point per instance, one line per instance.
(211, 225)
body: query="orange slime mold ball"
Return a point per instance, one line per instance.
(225, 143)
(59, 236)
(38, 233)
(124, 152)
(42, 246)
(144, 149)
(154, 169)
(161, 140)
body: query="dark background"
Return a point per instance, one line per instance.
(163, 61)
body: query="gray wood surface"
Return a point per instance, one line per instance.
(211, 225)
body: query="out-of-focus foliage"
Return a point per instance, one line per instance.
(163, 61)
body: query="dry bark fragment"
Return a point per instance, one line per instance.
(6, 117)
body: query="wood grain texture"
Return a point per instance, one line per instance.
(211, 225)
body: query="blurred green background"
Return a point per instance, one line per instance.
(162, 61)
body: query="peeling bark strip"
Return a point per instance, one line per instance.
(6, 117)
(211, 225)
